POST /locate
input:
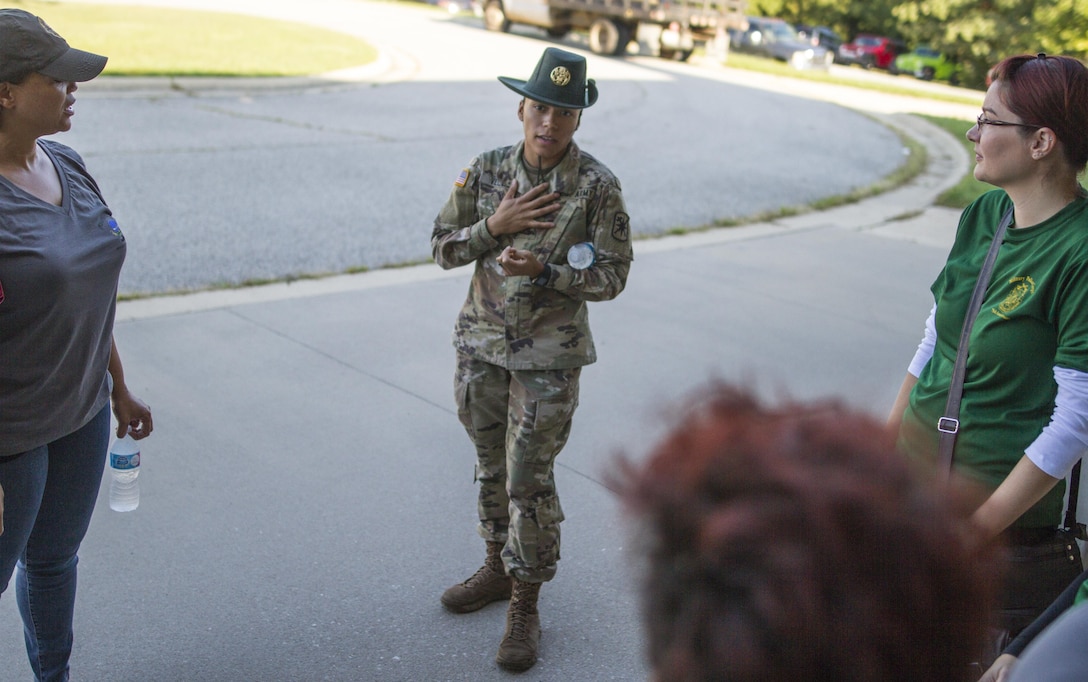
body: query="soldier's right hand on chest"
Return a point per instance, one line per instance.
(527, 212)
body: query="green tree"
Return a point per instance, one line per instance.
(866, 16)
(977, 35)
(1063, 27)
(847, 18)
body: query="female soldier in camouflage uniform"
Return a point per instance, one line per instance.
(546, 227)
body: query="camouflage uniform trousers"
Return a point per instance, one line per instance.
(518, 420)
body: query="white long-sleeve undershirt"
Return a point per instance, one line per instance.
(925, 348)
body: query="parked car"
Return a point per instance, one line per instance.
(925, 63)
(821, 35)
(778, 39)
(868, 51)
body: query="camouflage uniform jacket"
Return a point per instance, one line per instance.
(510, 321)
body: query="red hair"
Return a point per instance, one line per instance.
(795, 543)
(1050, 92)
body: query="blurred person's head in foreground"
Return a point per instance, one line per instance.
(794, 543)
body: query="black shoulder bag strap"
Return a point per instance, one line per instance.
(949, 424)
(1069, 523)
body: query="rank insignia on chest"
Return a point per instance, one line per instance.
(462, 179)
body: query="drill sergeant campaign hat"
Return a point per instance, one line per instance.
(559, 79)
(28, 45)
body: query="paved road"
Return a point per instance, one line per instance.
(218, 186)
(307, 493)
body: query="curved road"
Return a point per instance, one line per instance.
(223, 183)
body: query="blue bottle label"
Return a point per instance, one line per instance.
(122, 462)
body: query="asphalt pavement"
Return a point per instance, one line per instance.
(308, 493)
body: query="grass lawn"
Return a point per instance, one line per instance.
(967, 189)
(147, 41)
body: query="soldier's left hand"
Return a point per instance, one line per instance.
(516, 262)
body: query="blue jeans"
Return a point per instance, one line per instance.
(49, 495)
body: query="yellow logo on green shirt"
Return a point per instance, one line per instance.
(1022, 288)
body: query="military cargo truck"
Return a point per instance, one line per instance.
(612, 24)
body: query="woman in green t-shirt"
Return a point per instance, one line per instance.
(1023, 420)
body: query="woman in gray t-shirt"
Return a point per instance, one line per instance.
(60, 257)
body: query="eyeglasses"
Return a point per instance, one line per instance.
(983, 121)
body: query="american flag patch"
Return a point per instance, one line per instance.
(462, 179)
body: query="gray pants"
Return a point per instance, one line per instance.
(518, 420)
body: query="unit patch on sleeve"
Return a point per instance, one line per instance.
(621, 227)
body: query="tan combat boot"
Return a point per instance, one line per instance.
(517, 652)
(488, 584)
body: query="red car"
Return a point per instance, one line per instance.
(868, 51)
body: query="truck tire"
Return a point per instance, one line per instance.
(608, 36)
(495, 17)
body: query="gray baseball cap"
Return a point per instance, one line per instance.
(28, 45)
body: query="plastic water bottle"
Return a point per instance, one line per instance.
(124, 468)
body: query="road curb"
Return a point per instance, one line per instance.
(194, 86)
